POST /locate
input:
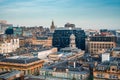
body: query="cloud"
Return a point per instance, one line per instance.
(61, 10)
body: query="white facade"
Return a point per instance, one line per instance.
(45, 53)
(105, 57)
(9, 46)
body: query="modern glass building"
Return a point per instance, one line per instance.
(61, 37)
(18, 31)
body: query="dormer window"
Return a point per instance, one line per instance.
(112, 76)
(113, 69)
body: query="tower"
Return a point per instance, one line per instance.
(72, 41)
(52, 27)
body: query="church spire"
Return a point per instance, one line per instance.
(52, 23)
(52, 27)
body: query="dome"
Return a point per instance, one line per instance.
(72, 36)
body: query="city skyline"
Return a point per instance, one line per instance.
(83, 13)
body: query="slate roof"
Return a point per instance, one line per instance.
(20, 60)
(6, 75)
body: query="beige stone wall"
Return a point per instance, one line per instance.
(106, 74)
(31, 68)
(46, 42)
(98, 47)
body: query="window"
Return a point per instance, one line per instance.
(113, 76)
(100, 75)
(100, 68)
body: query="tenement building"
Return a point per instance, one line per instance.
(107, 70)
(67, 70)
(98, 44)
(61, 37)
(27, 65)
(45, 41)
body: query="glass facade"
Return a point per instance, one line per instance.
(61, 38)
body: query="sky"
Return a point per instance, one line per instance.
(86, 14)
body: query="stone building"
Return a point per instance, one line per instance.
(27, 65)
(107, 70)
(99, 44)
(8, 45)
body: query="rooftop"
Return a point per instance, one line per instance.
(67, 28)
(106, 65)
(42, 38)
(70, 65)
(70, 49)
(20, 59)
(116, 49)
(5, 75)
(103, 38)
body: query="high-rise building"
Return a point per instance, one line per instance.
(61, 37)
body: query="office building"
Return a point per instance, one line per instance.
(45, 41)
(99, 44)
(68, 53)
(61, 37)
(17, 31)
